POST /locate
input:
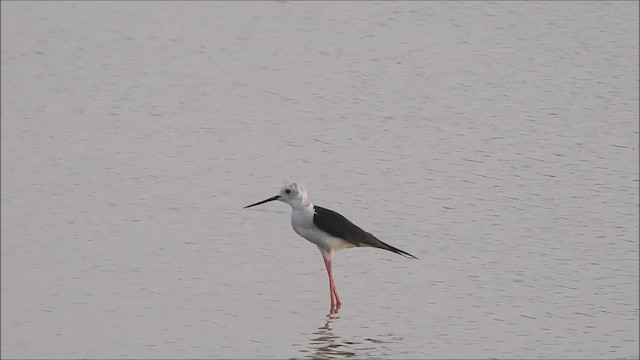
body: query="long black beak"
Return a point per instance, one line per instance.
(264, 201)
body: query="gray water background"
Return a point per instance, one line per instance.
(496, 141)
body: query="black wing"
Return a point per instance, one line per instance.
(339, 226)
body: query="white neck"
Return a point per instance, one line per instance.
(304, 204)
(304, 201)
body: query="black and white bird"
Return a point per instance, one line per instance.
(327, 229)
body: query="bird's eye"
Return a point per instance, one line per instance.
(288, 191)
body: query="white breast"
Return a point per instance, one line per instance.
(302, 223)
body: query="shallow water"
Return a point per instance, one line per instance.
(497, 142)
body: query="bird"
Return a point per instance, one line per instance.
(327, 229)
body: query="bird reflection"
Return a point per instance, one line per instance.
(325, 344)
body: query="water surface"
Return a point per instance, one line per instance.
(497, 142)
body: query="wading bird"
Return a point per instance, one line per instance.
(327, 229)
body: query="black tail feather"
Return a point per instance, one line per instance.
(396, 250)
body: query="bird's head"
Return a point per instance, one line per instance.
(292, 194)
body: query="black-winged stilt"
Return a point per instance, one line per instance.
(327, 229)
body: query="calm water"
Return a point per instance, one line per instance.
(498, 142)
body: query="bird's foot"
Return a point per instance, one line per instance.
(334, 309)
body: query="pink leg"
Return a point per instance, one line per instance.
(335, 291)
(335, 298)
